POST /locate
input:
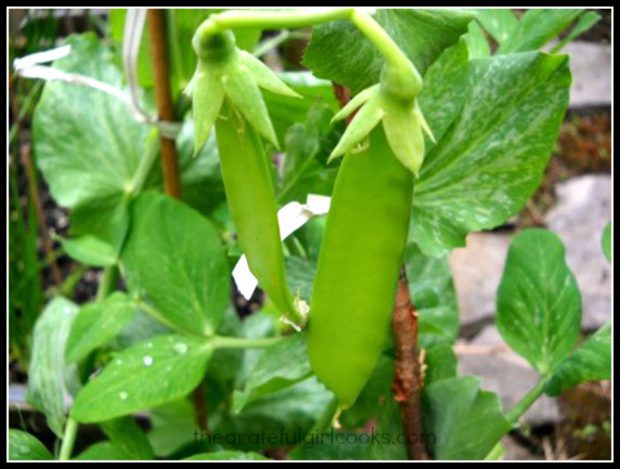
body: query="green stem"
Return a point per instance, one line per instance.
(382, 40)
(526, 402)
(271, 43)
(145, 165)
(68, 439)
(495, 453)
(109, 281)
(241, 342)
(300, 18)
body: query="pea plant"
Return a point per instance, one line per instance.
(451, 120)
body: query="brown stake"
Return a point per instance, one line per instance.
(163, 96)
(408, 375)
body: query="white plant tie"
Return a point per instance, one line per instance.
(291, 217)
(30, 67)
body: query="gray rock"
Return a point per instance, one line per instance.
(477, 270)
(590, 65)
(578, 218)
(505, 373)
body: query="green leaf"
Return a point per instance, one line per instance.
(590, 362)
(453, 408)
(46, 375)
(377, 390)
(300, 275)
(584, 22)
(389, 425)
(173, 425)
(440, 363)
(285, 112)
(174, 256)
(445, 89)
(284, 417)
(89, 250)
(537, 27)
(500, 23)
(538, 300)
(477, 43)
(25, 447)
(308, 144)
(103, 451)
(281, 366)
(432, 292)
(227, 456)
(492, 158)
(96, 324)
(127, 435)
(338, 51)
(606, 241)
(146, 375)
(87, 143)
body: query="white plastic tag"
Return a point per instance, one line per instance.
(291, 217)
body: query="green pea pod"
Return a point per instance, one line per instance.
(252, 202)
(358, 268)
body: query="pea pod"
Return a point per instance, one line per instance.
(225, 92)
(358, 268)
(252, 202)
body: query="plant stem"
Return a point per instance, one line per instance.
(526, 402)
(382, 40)
(408, 378)
(68, 439)
(300, 18)
(495, 453)
(109, 280)
(241, 342)
(163, 96)
(144, 166)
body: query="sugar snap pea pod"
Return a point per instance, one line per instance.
(358, 268)
(225, 92)
(252, 202)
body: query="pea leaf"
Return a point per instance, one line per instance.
(500, 23)
(173, 425)
(340, 53)
(126, 435)
(492, 157)
(282, 365)
(87, 143)
(227, 456)
(282, 418)
(440, 363)
(96, 324)
(146, 375)
(46, 376)
(25, 447)
(103, 451)
(452, 408)
(89, 250)
(538, 300)
(536, 27)
(285, 112)
(584, 22)
(300, 275)
(308, 144)
(606, 241)
(174, 256)
(477, 43)
(433, 295)
(590, 362)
